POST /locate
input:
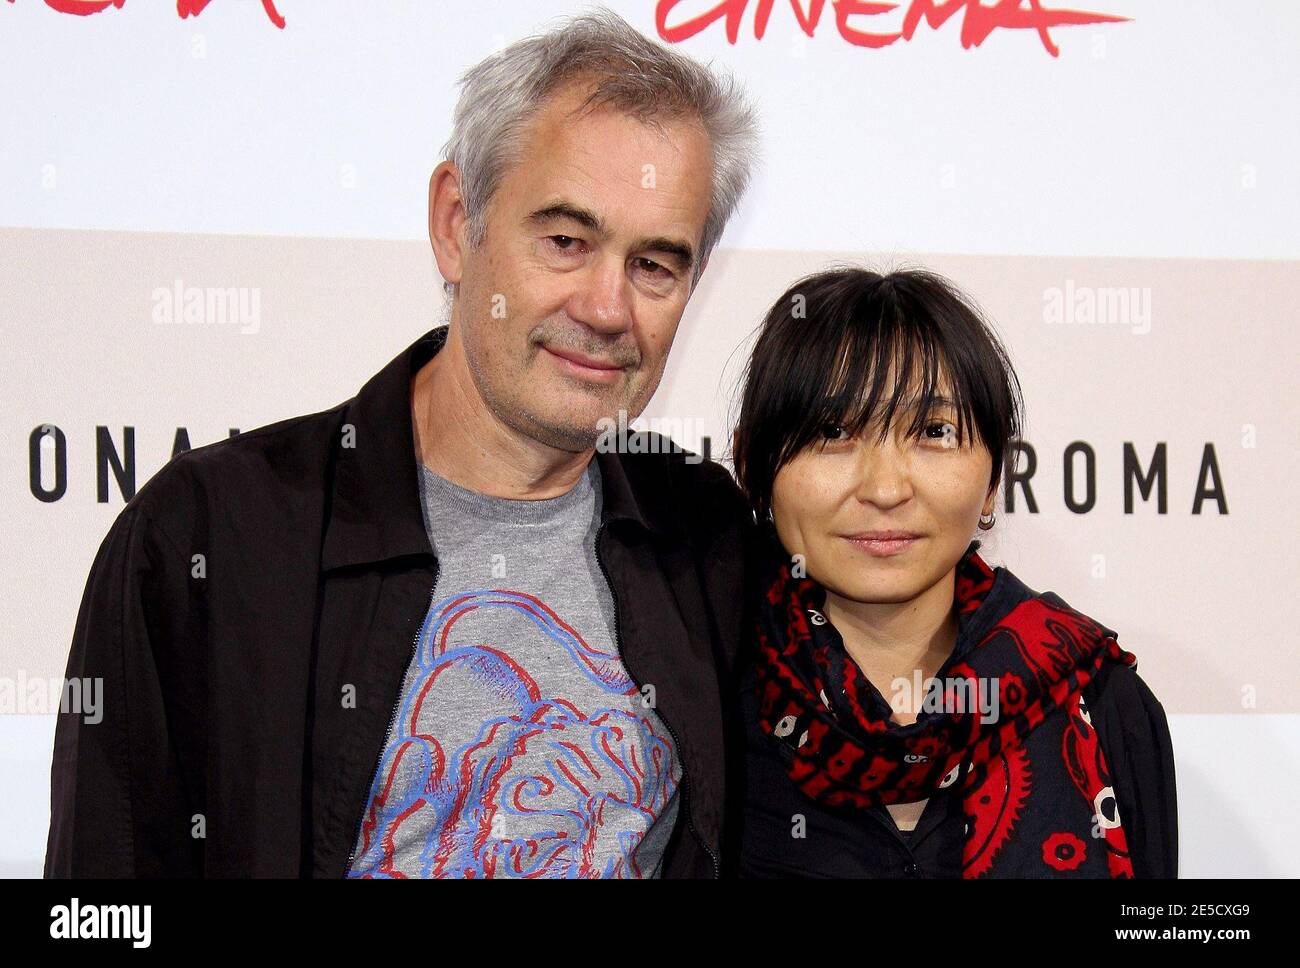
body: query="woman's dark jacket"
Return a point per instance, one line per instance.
(847, 842)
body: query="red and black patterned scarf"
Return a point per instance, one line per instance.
(1033, 780)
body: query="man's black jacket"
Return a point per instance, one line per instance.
(252, 612)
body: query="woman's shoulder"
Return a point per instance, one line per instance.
(1132, 726)
(1120, 693)
(1133, 731)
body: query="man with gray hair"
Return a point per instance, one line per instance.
(443, 630)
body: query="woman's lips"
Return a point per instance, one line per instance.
(883, 547)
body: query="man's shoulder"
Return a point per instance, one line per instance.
(701, 483)
(265, 471)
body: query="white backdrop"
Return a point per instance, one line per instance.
(1126, 212)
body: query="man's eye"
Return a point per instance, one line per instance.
(834, 432)
(564, 243)
(650, 267)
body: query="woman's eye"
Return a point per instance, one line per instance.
(942, 431)
(834, 432)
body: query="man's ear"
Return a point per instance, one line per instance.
(447, 221)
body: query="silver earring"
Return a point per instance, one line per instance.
(985, 525)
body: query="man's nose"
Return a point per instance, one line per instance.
(602, 300)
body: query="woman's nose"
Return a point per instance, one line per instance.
(884, 477)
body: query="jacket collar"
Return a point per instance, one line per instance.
(374, 513)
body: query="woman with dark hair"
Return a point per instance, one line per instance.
(910, 710)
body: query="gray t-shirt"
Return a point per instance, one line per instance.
(521, 747)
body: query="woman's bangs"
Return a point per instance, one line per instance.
(854, 398)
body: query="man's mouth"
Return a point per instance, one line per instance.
(583, 366)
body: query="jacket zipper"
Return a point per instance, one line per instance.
(618, 645)
(392, 718)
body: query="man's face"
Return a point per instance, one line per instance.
(569, 305)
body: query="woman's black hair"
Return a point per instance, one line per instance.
(824, 342)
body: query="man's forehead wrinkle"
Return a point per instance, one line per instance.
(574, 168)
(672, 211)
(589, 154)
(585, 162)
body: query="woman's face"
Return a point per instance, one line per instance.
(828, 501)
